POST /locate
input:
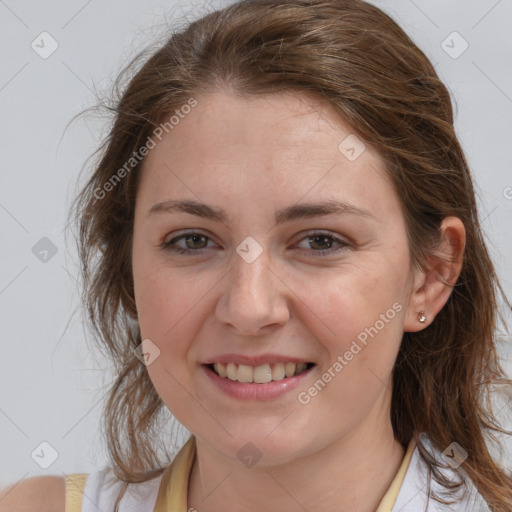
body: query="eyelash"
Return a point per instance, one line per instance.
(169, 246)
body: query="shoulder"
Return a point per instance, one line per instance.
(36, 494)
(106, 491)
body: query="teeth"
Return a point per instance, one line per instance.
(244, 373)
(300, 367)
(259, 374)
(231, 370)
(262, 374)
(220, 369)
(278, 371)
(289, 369)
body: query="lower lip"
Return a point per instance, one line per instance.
(254, 391)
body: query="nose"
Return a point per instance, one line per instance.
(254, 299)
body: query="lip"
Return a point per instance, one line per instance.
(255, 391)
(255, 360)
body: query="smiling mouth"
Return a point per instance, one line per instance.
(259, 374)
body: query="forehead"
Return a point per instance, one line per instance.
(277, 148)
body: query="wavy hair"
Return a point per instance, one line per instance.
(353, 55)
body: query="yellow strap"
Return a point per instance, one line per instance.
(391, 495)
(75, 484)
(173, 491)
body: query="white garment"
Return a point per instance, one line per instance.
(413, 497)
(101, 491)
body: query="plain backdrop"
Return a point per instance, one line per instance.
(50, 381)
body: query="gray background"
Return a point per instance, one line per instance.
(51, 383)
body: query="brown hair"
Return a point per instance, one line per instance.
(353, 55)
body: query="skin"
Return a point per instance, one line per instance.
(252, 157)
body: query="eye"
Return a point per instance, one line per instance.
(321, 239)
(194, 243)
(191, 239)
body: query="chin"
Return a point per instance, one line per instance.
(254, 445)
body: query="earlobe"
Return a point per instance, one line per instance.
(434, 285)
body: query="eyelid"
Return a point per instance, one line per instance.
(184, 232)
(167, 242)
(343, 243)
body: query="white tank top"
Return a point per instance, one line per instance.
(102, 489)
(413, 493)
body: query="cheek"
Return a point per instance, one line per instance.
(162, 298)
(350, 299)
(357, 313)
(165, 307)
(361, 345)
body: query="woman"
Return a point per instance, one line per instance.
(281, 247)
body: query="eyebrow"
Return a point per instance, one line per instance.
(288, 214)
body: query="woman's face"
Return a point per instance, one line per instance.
(274, 282)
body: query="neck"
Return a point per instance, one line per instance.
(352, 473)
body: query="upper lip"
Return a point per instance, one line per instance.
(255, 360)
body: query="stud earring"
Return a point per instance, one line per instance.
(421, 317)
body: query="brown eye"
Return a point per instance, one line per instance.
(322, 243)
(194, 243)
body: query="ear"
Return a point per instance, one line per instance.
(433, 285)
